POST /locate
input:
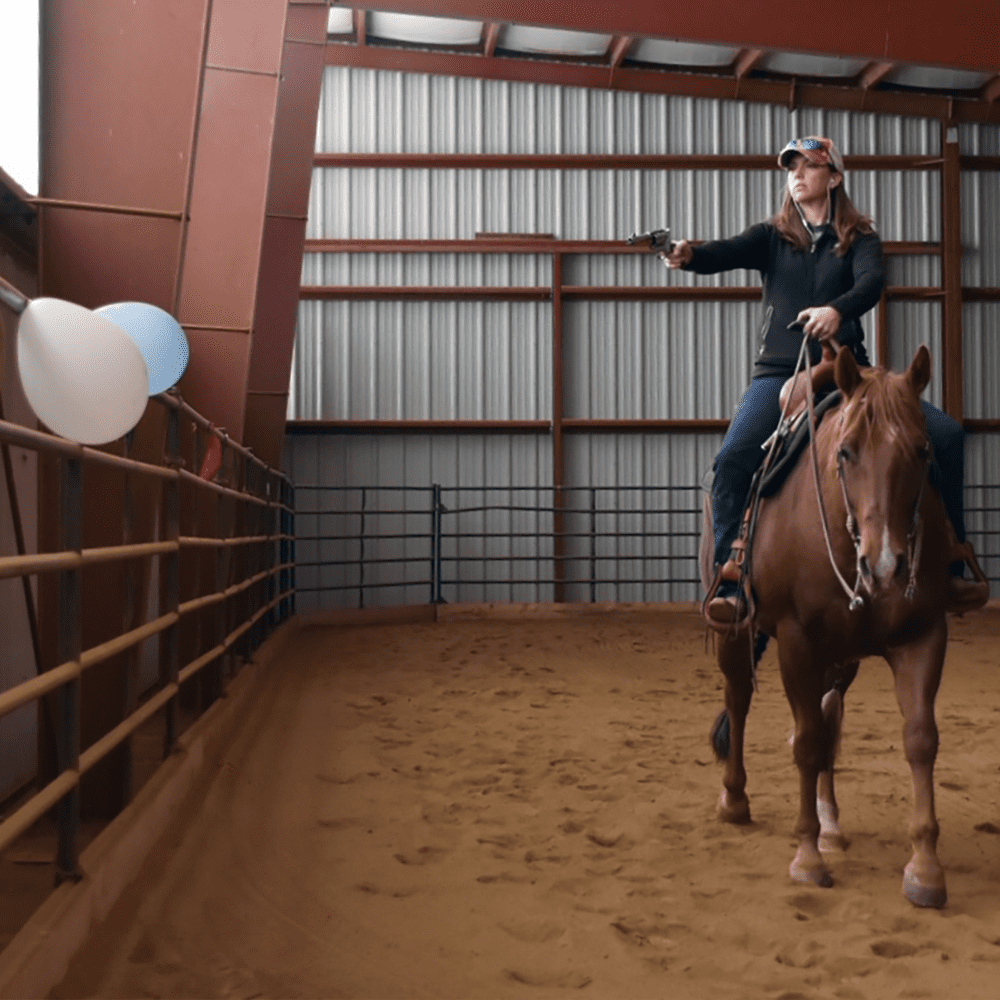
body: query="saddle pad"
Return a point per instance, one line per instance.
(792, 447)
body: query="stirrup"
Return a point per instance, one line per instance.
(967, 595)
(977, 591)
(734, 613)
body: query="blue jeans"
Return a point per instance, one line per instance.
(754, 421)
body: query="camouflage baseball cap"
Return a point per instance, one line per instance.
(816, 150)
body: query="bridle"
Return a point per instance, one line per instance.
(914, 537)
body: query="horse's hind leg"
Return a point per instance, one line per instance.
(830, 836)
(736, 653)
(804, 686)
(917, 670)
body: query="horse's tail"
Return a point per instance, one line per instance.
(719, 736)
(833, 719)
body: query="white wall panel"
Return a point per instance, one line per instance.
(387, 360)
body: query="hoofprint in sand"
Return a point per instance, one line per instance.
(527, 809)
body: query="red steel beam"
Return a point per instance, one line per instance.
(746, 61)
(573, 293)
(990, 90)
(963, 33)
(643, 426)
(571, 425)
(602, 161)
(425, 293)
(516, 244)
(618, 49)
(418, 426)
(874, 73)
(492, 33)
(882, 330)
(575, 74)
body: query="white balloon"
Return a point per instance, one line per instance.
(82, 374)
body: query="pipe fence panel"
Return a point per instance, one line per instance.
(250, 591)
(453, 544)
(498, 543)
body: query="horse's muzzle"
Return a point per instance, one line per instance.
(891, 570)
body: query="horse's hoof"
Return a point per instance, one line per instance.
(733, 811)
(815, 875)
(921, 894)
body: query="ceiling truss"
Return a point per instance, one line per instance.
(745, 78)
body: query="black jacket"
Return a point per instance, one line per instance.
(796, 279)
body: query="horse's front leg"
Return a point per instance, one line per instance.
(917, 671)
(736, 659)
(804, 684)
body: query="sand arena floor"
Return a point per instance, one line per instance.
(526, 809)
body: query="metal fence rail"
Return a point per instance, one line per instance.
(447, 545)
(253, 590)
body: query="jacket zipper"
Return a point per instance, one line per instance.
(765, 327)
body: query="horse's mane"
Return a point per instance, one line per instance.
(882, 402)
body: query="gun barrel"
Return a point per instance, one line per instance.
(656, 239)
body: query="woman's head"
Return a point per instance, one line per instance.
(810, 183)
(815, 174)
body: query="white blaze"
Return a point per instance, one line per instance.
(886, 561)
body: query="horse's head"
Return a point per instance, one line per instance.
(882, 454)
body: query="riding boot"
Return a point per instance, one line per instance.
(964, 595)
(729, 607)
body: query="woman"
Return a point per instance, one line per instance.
(821, 265)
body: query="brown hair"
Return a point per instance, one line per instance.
(848, 222)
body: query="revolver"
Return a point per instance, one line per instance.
(659, 240)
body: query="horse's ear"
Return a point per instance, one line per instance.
(845, 371)
(919, 372)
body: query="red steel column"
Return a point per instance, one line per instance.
(279, 273)
(231, 167)
(558, 415)
(951, 268)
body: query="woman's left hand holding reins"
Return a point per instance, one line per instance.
(819, 322)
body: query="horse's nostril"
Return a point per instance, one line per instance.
(866, 569)
(902, 567)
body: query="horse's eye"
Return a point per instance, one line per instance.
(845, 454)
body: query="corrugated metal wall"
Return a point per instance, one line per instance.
(388, 360)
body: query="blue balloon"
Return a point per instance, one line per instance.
(159, 337)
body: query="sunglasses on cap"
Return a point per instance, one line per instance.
(816, 150)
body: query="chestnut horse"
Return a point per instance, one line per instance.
(887, 533)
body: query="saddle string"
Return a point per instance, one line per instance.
(746, 572)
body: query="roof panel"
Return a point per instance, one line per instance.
(521, 38)
(804, 64)
(424, 30)
(675, 53)
(340, 21)
(933, 78)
